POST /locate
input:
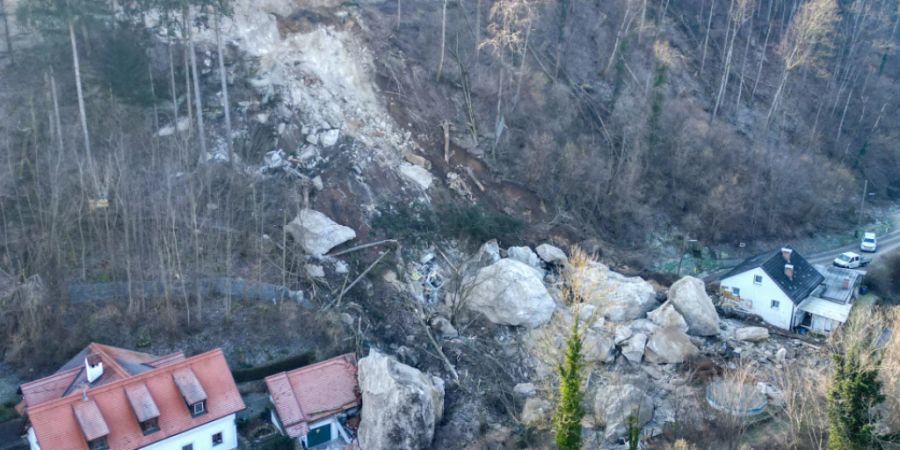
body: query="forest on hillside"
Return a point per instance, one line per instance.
(729, 120)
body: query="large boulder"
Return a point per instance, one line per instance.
(509, 292)
(316, 233)
(619, 298)
(400, 405)
(524, 255)
(669, 346)
(598, 347)
(633, 347)
(615, 404)
(667, 317)
(688, 295)
(551, 254)
(752, 334)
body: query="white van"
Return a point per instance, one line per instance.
(869, 243)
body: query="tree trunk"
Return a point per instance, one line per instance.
(522, 65)
(56, 118)
(173, 89)
(81, 110)
(201, 133)
(440, 68)
(762, 52)
(225, 103)
(729, 52)
(9, 48)
(477, 30)
(706, 39)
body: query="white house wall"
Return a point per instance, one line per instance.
(757, 298)
(201, 437)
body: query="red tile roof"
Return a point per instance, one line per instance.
(314, 392)
(118, 363)
(58, 428)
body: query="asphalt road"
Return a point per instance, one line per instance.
(887, 243)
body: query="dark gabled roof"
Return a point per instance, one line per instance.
(806, 277)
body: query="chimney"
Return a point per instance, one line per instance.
(93, 367)
(846, 283)
(786, 254)
(84, 389)
(789, 271)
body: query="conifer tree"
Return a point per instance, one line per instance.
(854, 390)
(569, 412)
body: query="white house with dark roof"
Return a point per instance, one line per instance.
(772, 285)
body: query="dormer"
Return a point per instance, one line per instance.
(92, 424)
(145, 409)
(93, 367)
(191, 391)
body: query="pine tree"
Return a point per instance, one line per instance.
(569, 412)
(854, 390)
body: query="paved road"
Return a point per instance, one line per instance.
(887, 243)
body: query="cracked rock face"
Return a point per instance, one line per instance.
(317, 233)
(400, 404)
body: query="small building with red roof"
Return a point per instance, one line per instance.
(108, 398)
(318, 405)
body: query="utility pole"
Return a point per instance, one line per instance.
(862, 205)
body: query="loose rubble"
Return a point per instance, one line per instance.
(317, 233)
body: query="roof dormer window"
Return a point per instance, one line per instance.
(191, 391)
(145, 409)
(98, 444)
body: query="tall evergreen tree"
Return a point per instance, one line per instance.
(855, 389)
(569, 412)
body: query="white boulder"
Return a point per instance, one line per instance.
(667, 317)
(401, 405)
(509, 292)
(317, 233)
(524, 255)
(633, 348)
(598, 347)
(752, 334)
(551, 254)
(615, 404)
(619, 298)
(688, 295)
(669, 346)
(418, 175)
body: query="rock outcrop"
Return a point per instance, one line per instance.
(317, 233)
(688, 295)
(669, 346)
(598, 347)
(509, 292)
(401, 405)
(615, 404)
(751, 334)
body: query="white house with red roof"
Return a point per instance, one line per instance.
(318, 405)
(109, 398)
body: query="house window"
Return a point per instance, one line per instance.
(188, 447)
(757, 279)
(736, 291)
(98, 444)
(217, 439)
(775, 304)
(198, 408)
(150, 426)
